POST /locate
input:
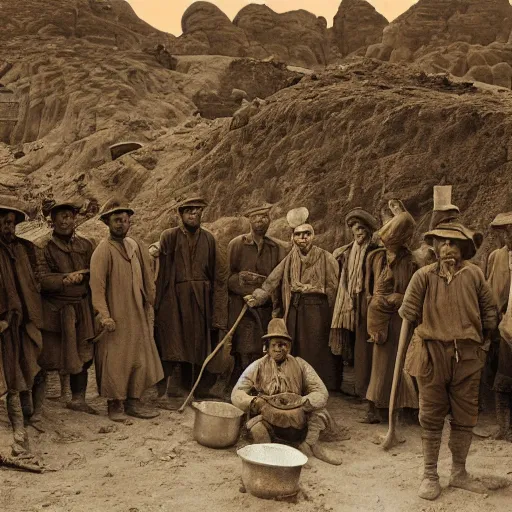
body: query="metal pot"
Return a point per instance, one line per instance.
(216, 424)
(271, 470)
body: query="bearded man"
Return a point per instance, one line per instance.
(286, 397)
(191, 293)
(21, 317)
(349, 335)
(499, 271)
(126, 357)
(251, 259)
(69, 318)
(453, 307)
(307, 280)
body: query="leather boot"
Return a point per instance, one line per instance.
(430, 488)
(133, 407)
(320, 451)
(38, 397)
(65, 392)
(116, 411)
(20, 445)
(26, 405)
(78, 384)
(503, 416)
(259, 433)
(372, 416)
(459, 444)
(175, 388)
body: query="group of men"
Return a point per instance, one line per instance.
(312, 317)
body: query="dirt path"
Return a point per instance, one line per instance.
(155, 465)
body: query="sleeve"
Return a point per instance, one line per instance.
(316, 392)
(51, 282)
(99, 276)
(220, 290)
(234, 285)
(490, 265)
(332, 278)
(163, 271)
(412, 305)
(274, 279)
(488, 308)
(241, 396)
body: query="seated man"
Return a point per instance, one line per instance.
(285, 396)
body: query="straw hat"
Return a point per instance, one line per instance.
(65, 205)
(8, 204)
(112, 206)
(454, 231)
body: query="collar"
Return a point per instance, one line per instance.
(249, 240)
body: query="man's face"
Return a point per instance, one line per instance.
(360, 233)
(8, 226)
(303, 239)
(119, 224)
(260, 223)
(506, 236)
(448, 250)
(278, 349)
(191, 216)
(64, 222)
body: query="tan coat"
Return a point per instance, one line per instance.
(127, 361)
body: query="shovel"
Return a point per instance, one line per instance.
(228, 336)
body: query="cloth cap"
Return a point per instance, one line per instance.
(264, 208)
(453, 231)
(443, 199)
(304, 227)
(297, 217)
(197, 202)
(277, 329)
(65, 205)
(114, 206)
(502, 220)
(398, 231)
(8, 204)
(358, 214)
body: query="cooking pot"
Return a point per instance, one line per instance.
(271, 470)
(216, 424)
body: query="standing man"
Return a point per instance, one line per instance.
(348, 337)
(307, 280)
(191, 296)
(251, 259)
(69, 319)
(126, 358)
(21, 317)
(499, 271)
(453, 307)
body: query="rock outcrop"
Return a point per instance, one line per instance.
(357, 25)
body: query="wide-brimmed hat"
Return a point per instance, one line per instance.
(74, 206)
(114, 206)
(190, 202)
(263, 208)
(502, 220)
(362, 215)
(454, 231)
(443, 199)
(8, 204)
(277, 329)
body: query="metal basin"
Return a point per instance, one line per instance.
(216, 424)
(271, 470)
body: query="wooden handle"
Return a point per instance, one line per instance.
(228, 336)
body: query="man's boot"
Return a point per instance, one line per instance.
(78, 384)
(38, 397)
(65, 392)
(163, 400)
(26, 405)
(20, 445)
(133, 407)
(116, 411)
(503, 416)
(175, 388)
(258, 430)
(372, 416)
(459, 444)
(430, 488)
(312, 445)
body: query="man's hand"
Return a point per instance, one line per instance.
(247, 278)
(251, 301)
(3, 326)
(73, 278)
(256, 405)
(108, 324)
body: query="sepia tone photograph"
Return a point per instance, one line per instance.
(256, 256)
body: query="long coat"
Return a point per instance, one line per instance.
(191, 296)
(20, 307)
(69, 319)
(126, 360)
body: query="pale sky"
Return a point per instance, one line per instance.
(166, 14)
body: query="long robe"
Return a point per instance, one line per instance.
(127, 361)
(20, 306)
(191, 296)
(383, 279)
(308, 314)
(68, 313)
(245, 255)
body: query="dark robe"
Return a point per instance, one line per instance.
(191, 297)
(69, 318)
(20, 306)
(244, 255)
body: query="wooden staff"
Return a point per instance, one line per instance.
(228, 336)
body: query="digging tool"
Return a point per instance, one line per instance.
(228, 336)
(392, 438)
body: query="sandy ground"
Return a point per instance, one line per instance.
(156, 465)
